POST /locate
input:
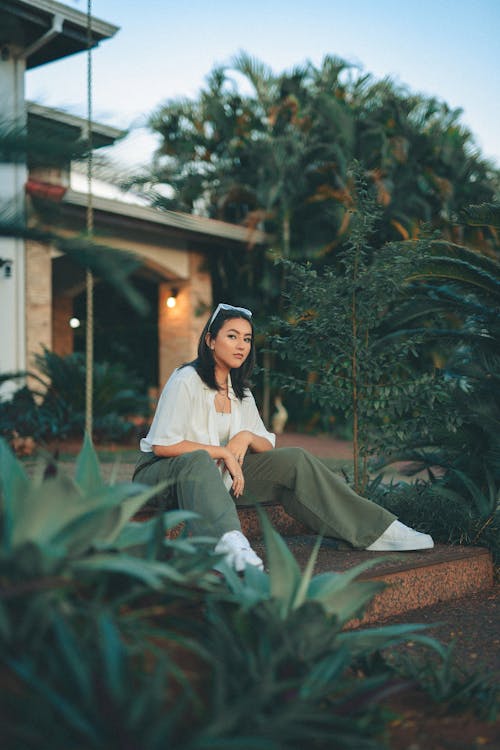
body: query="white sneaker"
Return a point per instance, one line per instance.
(238, 552)
(400, 538)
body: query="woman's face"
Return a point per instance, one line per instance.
(231, 346)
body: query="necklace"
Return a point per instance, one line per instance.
(222, 401)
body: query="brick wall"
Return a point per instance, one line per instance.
(179, 327)
(38, 300)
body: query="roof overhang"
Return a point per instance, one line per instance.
(74, 127)
(187, 224)
(43, 30)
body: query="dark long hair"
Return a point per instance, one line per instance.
(204, 363)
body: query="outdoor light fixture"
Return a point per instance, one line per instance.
(74, 323)
(6, 264)
(172, 299)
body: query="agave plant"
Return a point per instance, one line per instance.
(68, 527)
(112, 636)
(283, 666)
(86, 597)
(288, 588)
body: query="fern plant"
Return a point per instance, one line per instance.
(56, 408)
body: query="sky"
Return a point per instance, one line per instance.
(164, 50)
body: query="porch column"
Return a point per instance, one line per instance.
(38, 300)
(12, 258)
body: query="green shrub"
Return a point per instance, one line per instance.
(331, 339)
(435, 508)
(56, 408)
(449, 685)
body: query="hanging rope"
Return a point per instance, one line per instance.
(89, 328)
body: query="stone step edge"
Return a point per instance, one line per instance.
(412, 584)
(456, 554)
(284, 524)
(412, 588)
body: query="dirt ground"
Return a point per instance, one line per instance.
(472, 625)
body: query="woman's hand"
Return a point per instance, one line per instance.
(239, 444)
(234, 468)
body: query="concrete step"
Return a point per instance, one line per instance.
(414, 579)
(283, 523)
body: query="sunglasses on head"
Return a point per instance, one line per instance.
(221, 306)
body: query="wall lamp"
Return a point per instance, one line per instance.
(6, 264)
(172, 299)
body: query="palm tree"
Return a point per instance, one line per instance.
(455, 305)
(279, 154)
(277, 157)
(422, 160)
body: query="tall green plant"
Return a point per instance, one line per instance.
(334, 324)
(454, 304)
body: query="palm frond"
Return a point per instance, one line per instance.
(482, 215)
(476, 275)
(443, 248)
(259, 74)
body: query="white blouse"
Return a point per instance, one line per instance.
(224, 427)
(186, 411)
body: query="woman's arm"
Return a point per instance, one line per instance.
(257, 443)
(253, 437)
(245, 441)
(217, 452)
(187, 446)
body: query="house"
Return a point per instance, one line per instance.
(42, 291)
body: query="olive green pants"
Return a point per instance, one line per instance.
(305, 486)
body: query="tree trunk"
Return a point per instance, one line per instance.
(266, 390)
(354, 379)
(286, 234)
(268, 359)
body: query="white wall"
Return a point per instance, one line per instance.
(12, 182)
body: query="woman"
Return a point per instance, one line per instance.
(208, 441)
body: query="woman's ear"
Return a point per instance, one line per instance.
(208, 341)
